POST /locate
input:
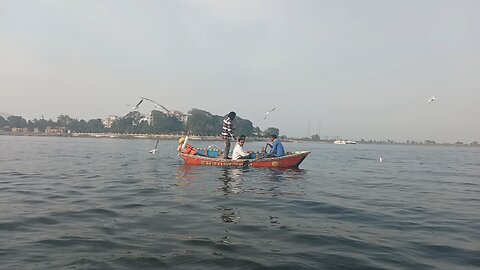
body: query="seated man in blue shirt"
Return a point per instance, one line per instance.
(277, 147)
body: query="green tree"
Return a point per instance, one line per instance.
(74, 125)
(50, 123)
(129, 123)
(271, 130)
(163, 123)
(123, 125)
(135, 117)
(17, 121)
(315, 137)
(243, 127)
(95, 125)
(41, 124)
(30, 125)
(82, 126)
(64, 120)
(144, 127)
(3, 122)
(204, 123)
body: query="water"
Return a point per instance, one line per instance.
(78, 203)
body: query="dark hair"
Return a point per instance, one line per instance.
(232, 115)
(273, 136)
(242, 137)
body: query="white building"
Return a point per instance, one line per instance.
(107, 122)
(180, 115)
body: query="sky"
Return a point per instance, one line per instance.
(340, 69)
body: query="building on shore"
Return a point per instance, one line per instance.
(19, 130)
(344, 142)
(108, 122)
(179, 115)
(56, 130)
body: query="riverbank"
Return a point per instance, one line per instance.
(206, 138)
(111, 135)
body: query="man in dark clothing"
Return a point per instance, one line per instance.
(227, 131)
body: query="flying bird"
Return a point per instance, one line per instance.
(154, 150)
(156, 104)
(431, 99)
(138, 104)
(266, 114)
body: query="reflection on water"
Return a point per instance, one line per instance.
(285, 182)
(186, 175)
(270, 182)
(275, 175)
(231, 180)
(228, 214)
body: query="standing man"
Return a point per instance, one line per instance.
(227, 132)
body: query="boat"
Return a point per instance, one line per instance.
(344, 142)
(290, 160)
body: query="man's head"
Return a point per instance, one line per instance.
(273, 137)
(181, 140)
(232, 115)
(241, 140)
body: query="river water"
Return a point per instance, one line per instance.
(84, 203)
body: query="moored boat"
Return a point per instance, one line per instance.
(344, 142)
(290, 160)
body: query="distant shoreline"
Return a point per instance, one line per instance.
(206, 138)
(109, 135)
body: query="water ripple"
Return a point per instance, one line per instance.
(109, 204)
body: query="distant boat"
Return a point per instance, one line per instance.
(344, 142)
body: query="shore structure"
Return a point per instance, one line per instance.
(344, 142)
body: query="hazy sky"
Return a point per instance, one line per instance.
(349, 69)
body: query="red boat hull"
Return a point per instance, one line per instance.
(288, 161)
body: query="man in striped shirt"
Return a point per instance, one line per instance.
(227, 132)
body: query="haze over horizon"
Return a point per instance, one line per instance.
(348, 69)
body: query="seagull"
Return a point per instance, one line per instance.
(154, 150)
(156, 104)
(380, 159)
(138, 104)
(268, 113)
(431, 99)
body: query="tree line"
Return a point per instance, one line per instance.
(199, 123)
